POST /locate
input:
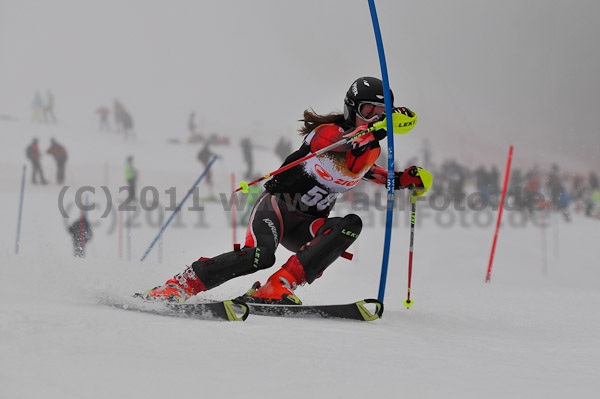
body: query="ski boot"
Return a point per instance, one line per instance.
(178, 289)
(279, 288)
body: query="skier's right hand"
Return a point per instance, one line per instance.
(360, 137)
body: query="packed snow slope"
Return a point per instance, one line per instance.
(531, 333)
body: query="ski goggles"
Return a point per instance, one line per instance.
(369, 112)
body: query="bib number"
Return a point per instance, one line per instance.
(318, 197)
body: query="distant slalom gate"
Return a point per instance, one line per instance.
(164, 226)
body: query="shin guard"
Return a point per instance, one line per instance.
(215, 271)
(331, 241)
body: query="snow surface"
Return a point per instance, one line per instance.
(533, 332)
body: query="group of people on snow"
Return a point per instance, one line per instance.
(528, 190)
(123, 120)
(56, 150)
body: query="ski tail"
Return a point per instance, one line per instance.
(228, 310)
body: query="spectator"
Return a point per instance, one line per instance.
(49, 108)
(37, 107)
(118, 115)
(283, 148)
(195, 135)
(558, 194)
(33, 154)
(131, 178)
(593, 181)
(204, 156)
(60, 156)
(248, 156)
(127, 121)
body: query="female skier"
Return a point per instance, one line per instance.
(293, 210)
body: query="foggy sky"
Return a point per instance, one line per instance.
(481, 75)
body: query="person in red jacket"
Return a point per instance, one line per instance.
(60, 156)
(33, 154)
(294, 208)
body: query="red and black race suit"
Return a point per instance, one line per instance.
(314, 185)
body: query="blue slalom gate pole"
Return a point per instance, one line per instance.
(162, 229)
(390, 141)
(20, 211)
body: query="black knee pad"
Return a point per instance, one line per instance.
(215, 271)
(332, 239)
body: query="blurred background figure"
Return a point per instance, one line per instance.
(558, 194)
(131, 175)
(248, 157)
(127, 120)
(515, 188)
(103, 115)
(123, 120)
(283, 148)
(192, 124)
(81, 234)
(593, 181)
(118, 110)
(49, 116)
(204, 156)
(33, 154)
(195, 135)
(531, 195)
(37, 107)
(60, 156)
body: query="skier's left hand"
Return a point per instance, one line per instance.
(413, 178)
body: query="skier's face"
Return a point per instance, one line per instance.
(369, 112)
(359, 121)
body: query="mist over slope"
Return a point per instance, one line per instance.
(480, 76)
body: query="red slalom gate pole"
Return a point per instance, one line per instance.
(489, 270)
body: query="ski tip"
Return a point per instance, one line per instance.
(366, 313)
(237, 310)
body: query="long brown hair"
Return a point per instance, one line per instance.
(312, 120)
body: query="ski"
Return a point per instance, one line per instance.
(230, 310)
(353, 311)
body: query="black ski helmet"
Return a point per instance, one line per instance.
(365, 89)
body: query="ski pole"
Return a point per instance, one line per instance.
(489, 270)
(162, 229)
(233, 213)
(20, 211)
(413, 210)
(398, 121)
